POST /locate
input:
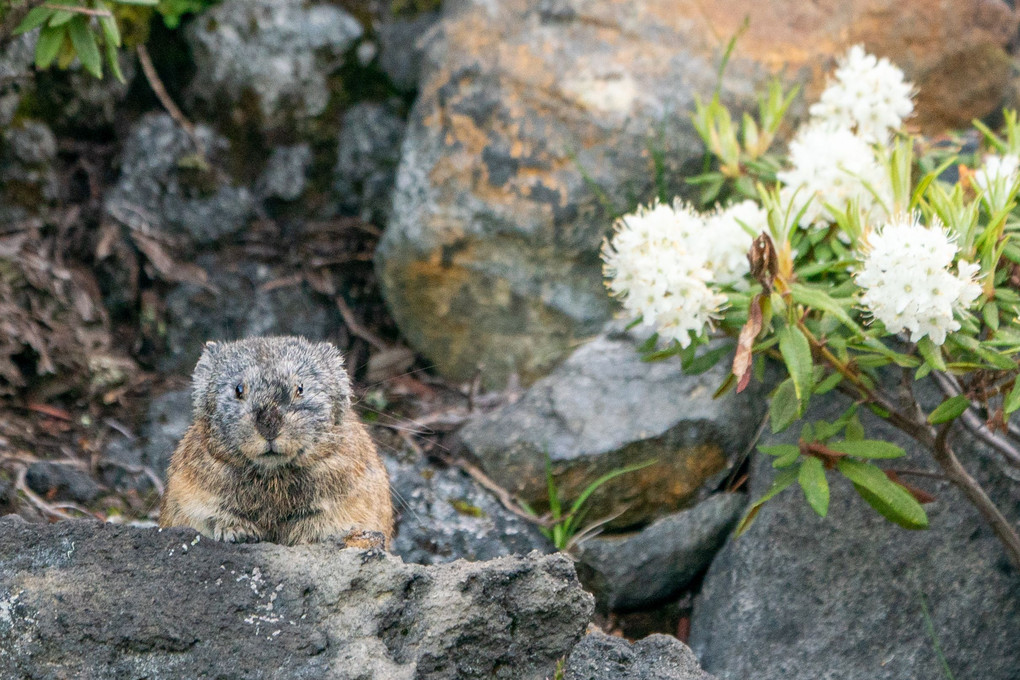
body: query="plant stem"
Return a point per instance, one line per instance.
(165, 99)
(937, 443)
(946, 458)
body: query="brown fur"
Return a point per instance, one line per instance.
(336, 484)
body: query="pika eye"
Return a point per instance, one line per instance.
(239, 390)
(299, 390)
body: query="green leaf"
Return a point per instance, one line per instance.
(61, 17)
(781, 482)
(829, 383)
(48, 46)
(819, 299)
(1012, 402)
(787, 459)
(779, 449)
(891, 500)
(931, 353)
(949, 409)
(591, 488)
(84, 41)
(111, 58)
(34, 19)
(784, 407)
(816, 489)
(868, 448)
(796, 351)
(149, 3)
(707, 360)
(111, 33)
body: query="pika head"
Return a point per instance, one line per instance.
(271, 401)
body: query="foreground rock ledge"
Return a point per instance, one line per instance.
(89, 600)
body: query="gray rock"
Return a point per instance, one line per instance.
(167, 420)
(120, 466)
(75, 100)
(273, 55)
(799, 597)
(164, 186)
(656, 657)
(640, 570)
(84, 599)
(603, 409)
(28, 179)
(444, 515)
(62, 481)
(242, 307)
(531, 120)
(16, 76)
(402, 45)
(367, 155)
(286, 173)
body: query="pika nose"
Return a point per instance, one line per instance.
(269, 421)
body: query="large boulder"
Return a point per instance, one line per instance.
(84, 599)
(799, 597)
(538, 121)
(603, 409)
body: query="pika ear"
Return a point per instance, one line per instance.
(339, 381)
(202, 388)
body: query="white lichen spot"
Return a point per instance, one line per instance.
(197, 538)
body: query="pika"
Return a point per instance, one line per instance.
(275, 452)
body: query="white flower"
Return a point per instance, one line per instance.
(727, 238)
(996, 178)
(868, 95)
(907, 280)
(833, 165)
(657, 264)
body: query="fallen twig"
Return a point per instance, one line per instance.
(164, 98)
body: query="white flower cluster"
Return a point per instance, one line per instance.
(663, 260)
(833, 156)
(868, 95)
(996, 178)
(834, 166)
(907, 281)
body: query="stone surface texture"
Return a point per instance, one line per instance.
(87, 600)
(799, 597)
(603, 409)
(368, 152)
(165, 188)
(656, 657)
(533, 118)
(444, 515)
(275, 56)
(643, 569)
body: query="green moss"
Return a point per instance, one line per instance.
(465, 508)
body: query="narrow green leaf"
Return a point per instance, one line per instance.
(60, 17)
(783, 480)
(868, 448)
(150, 3)
(84, 41)
(591, 488)
(47, 47)
(949, 409)
(891, 500)
(36, 17)
(818, 299)
(816, 489)
(796, 351)
(1012, 402)
(706, 360)
(779, 449)
(784, 407)
(111, 32)
(931, 353)
(114, 62)
(787, 459)
(829, 383)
